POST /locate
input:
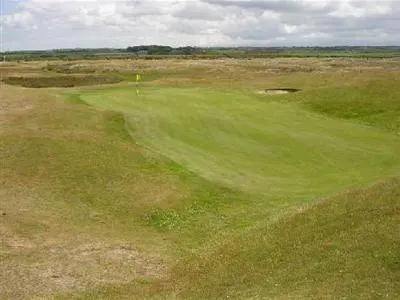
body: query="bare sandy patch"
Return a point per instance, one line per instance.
(58, 268)
(271, 92)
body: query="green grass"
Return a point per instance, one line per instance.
(374, 102)
(339, 247)
(345, 246)
(252, 145)
(279, 155)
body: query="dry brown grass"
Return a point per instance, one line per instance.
(62, 265)
(52, 241)
(227, 65)
(60, 81)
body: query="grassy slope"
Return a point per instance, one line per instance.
(370, 98)
(77, 195)
(375, 101)
(344, 246)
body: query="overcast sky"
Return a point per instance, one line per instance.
(47, 24)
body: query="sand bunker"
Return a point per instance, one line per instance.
(279, 91)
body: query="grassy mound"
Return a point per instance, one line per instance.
(375, 102)
(61, 81)
(343, 246)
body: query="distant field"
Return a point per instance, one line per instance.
(159, 52)
(196, 184)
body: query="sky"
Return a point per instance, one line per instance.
(51, 24)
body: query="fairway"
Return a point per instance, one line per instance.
(252, 143)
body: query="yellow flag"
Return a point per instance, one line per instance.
(138, 78)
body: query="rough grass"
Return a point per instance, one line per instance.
(376, 101)
(69, 68)
(76, 193)
(344, 246)
(339, 247)
(61, 81)
(93, 208)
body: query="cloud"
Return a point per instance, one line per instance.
(193, 10)
(282, 6)
(38, 24)
(20, 19)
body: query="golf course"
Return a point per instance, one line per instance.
(261, 178)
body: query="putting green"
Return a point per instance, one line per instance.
(253, 144)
